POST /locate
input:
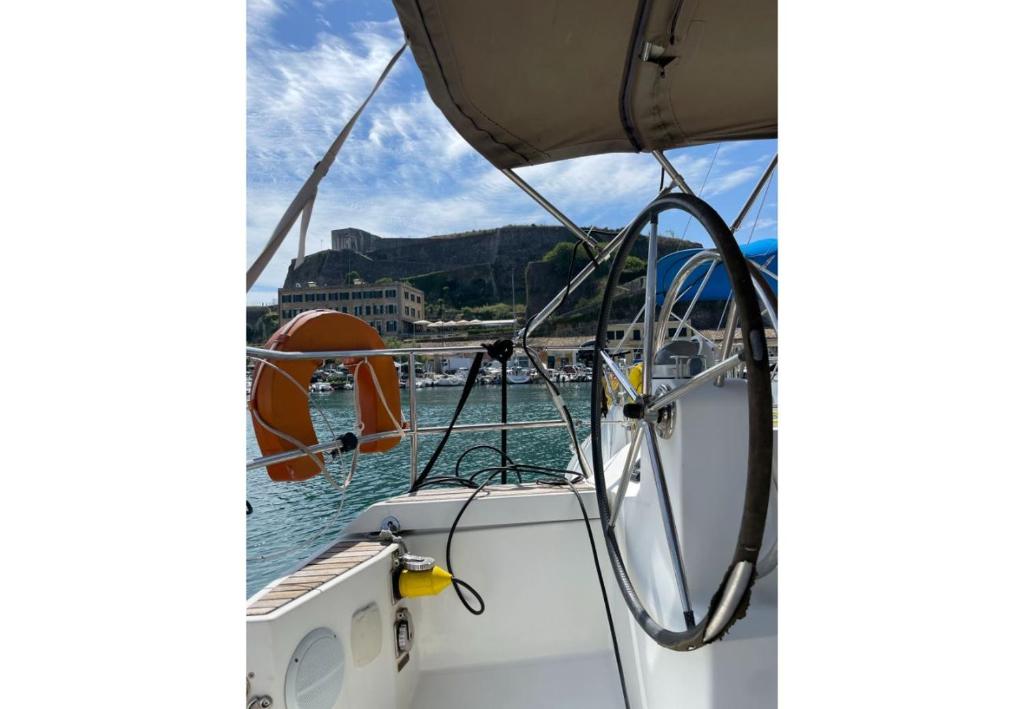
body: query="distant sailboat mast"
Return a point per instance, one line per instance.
(514, 320)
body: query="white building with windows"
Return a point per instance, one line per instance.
(391, 307)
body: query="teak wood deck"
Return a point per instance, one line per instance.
(341, 557)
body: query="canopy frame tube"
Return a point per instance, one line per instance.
(603, 255)
(551, 209)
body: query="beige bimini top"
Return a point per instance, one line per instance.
(534, 81)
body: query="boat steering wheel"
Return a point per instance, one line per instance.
(730, 601)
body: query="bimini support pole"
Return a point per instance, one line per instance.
(551, 209)
(603, 255)
(672, 172)
(730, 321)
(303, 202)
(753, 195)
(681, 183)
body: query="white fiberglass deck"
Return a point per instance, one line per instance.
(572, 682)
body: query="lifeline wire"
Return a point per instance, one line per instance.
(299, 445)
(317, 459)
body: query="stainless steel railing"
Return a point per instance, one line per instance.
(414, 431)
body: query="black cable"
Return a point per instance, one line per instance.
(546, 475)
(456, 584)
(502, 351)
(549, 476)
(503, 454)
(474, 369)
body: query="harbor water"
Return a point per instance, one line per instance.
(292, 520)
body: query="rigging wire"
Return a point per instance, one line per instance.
(764, 196)
(700, 191)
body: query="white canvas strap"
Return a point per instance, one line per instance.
(303, 202)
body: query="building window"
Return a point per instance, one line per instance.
(359, 310)
(286, 299)
(551, 361)
(309, 297)
(343, 295)
(392, 326)
(418, 300)
(321, 296)
(636, 334)
(344, 308)
(391, 293)
(392, 309)
(357, 295)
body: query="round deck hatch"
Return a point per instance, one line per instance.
(315, 671)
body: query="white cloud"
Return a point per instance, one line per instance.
(405, 171)
(717, 184)
(258, 16)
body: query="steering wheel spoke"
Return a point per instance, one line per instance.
(620, 377)
(668, 521)
(627, 470)
(729, 601)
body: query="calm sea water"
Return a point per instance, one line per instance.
(288, 519)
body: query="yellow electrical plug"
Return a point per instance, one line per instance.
(423, 583)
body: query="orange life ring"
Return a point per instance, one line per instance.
(283, 406)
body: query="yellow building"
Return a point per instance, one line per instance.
(390, 307)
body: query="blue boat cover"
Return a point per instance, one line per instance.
(764, 252)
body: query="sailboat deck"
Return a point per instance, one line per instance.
(340, 558)
(349, 554)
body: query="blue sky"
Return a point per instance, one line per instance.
(404, 171)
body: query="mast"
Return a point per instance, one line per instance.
(514, 319)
